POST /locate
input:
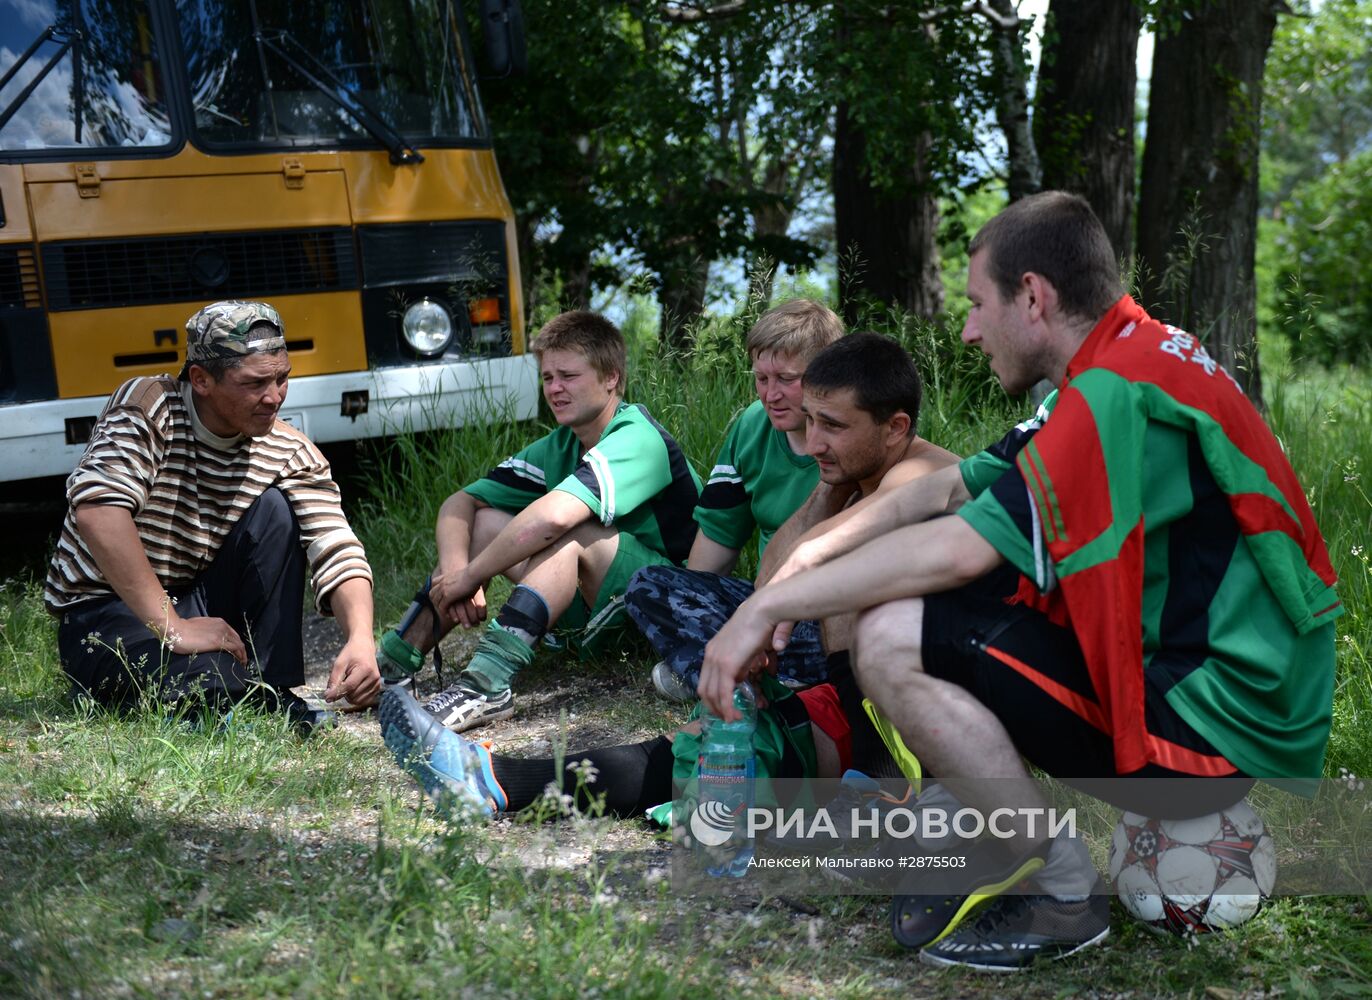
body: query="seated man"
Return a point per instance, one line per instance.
(568, 520)
(763, 474)
(1173, 606)
(861, 401)
(181, 565)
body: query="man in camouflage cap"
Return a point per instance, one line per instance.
(194, 515)
(225, 331)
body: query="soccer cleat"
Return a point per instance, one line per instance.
(670, 685)
(921, 920)
(462, 707)
(1014, 931)
(454, 772)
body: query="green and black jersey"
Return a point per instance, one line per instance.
(757, 483)
(636, 479)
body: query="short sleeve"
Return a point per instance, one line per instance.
(628, 466)
(518, 481)
(724, 512)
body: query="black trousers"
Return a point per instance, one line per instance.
(256, 583)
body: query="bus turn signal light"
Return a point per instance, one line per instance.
(484, 311)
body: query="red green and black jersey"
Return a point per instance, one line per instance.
(1155, 513)
(635, 479)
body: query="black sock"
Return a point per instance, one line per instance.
(632, 778)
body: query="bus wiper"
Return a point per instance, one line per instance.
(49, 34)
(337, 91)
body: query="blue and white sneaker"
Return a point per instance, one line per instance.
(455, 772)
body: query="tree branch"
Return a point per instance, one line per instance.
(690, 15)
(1006, 21)
(693, 13)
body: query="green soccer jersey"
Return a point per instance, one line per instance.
(635, 479)
(757, 483)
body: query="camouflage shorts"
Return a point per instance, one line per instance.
(680, 610)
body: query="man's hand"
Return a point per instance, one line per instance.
(471, 612)
(354, 675)
(457, 598)
(201, 635)
(731, 656)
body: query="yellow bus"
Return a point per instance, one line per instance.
(328, 156)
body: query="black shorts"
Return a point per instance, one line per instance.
(1032, 675)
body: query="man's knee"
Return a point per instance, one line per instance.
(271, 520)
(886, 643)
(487, 523)
(648, 586)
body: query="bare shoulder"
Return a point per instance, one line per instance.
(921, 458)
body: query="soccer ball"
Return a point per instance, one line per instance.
(1195, 875)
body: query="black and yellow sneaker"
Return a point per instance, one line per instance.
(1013, 932)
(921, 920)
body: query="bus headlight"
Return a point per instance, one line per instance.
(428, 328)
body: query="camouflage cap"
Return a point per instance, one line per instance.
(220, 330)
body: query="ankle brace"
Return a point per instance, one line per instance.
(526, 611)
(417, 605)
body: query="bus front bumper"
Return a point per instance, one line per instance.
(344, 407)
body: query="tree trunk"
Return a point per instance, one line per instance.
(772, 216)
(887, 247)
(576, 284)
(1084, 121)
(681, 299)
(1198, 201)
(1012, 104)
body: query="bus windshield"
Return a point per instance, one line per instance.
(79, 75)
(313, 73)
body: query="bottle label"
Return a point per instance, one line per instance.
(719, 823)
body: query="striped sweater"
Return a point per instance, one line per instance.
(186, 487)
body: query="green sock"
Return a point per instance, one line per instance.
(499, 655)
(396, 657)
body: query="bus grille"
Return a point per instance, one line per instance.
(18, 279)
(448, 252)
(102, 274)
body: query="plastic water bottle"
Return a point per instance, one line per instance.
(727, 775)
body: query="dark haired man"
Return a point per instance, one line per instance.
(568, 520)
(1172, 611)
(861, 400)
(194, 511)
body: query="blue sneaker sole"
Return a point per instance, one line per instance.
(405, 727)
(490, 784)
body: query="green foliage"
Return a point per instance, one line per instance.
(1313, 276)
(1317, 100)
(1324, 295)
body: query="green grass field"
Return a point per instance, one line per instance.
(140, 857)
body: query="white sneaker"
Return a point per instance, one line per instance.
(671, 686)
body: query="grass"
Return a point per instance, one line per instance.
(140, 857)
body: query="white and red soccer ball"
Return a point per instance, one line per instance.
(1195, 875)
